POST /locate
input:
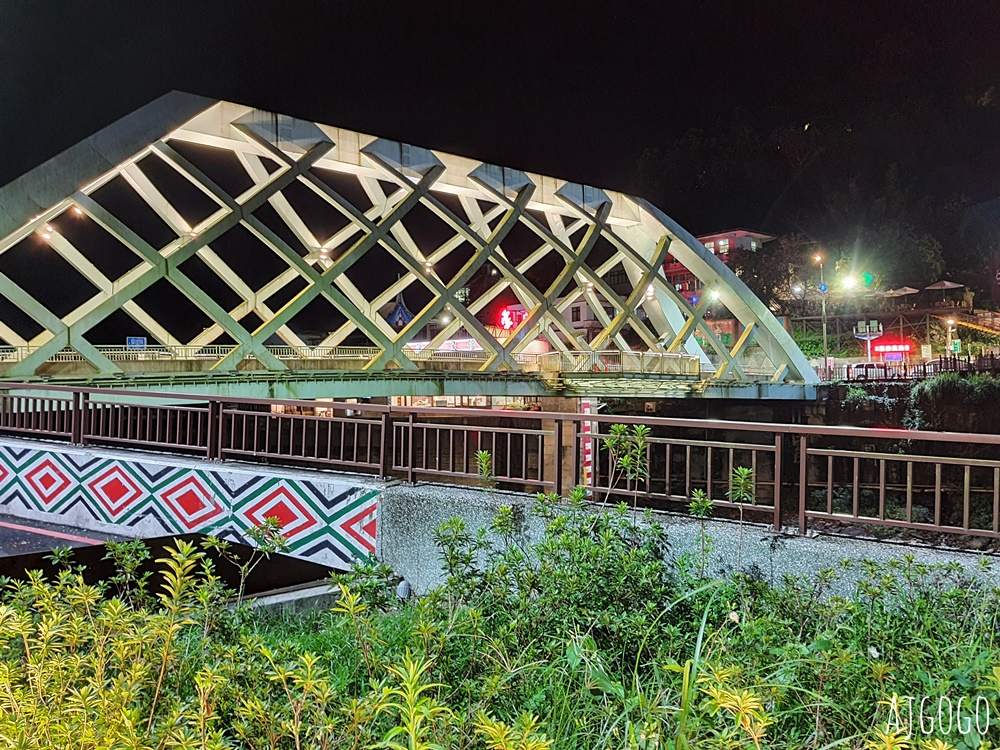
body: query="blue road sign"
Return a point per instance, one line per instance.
(135, 342)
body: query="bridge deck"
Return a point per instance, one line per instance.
(341, 372)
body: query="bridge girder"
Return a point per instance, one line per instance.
(584, 234)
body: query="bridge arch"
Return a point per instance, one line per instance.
(441, 224)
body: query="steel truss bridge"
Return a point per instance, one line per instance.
(508, 234)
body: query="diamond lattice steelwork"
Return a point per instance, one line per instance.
(373, 196)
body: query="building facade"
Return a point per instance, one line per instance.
(721, 244)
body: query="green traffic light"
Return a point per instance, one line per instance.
(867, 278)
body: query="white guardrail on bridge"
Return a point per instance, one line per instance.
(215, 352)
(552, 363)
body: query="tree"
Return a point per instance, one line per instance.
(769, 271)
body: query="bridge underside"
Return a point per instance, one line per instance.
(342, 384)
(265, 242)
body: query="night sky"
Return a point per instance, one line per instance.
(576, 90)
(725, 114)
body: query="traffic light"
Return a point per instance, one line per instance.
(867, 278)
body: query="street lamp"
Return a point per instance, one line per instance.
(951, 324)
(822, 291)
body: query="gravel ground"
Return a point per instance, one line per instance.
(796, 555)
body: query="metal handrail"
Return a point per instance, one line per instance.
(390, 440)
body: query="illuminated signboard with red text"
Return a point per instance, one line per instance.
(887, 348)
(510, 318)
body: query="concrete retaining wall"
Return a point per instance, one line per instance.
(409, 515)
(329, 518)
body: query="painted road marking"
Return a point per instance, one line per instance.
(47, 532)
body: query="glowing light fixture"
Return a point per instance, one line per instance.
(714, 294)
(78, 211)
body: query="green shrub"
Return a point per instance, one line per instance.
(593, 637)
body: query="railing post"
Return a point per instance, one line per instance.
(385, 446)
(577, 447)
(779, 444)
(77, 418)
(214, 450)
(803, 481)
(84, 417)
(409, 449)
(557, 455)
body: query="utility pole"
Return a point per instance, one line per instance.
(822, 292)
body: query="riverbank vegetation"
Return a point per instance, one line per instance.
(594, 636)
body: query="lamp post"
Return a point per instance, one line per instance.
(822, 292)
(951, 328)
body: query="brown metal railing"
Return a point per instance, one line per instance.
(805, 476)
(435, 446)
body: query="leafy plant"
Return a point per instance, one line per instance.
(593, 636)
(701, 508)
(266, 539)
(484, 468)
(742, 491)
(128, 558)
(628, 457)
(61, 556)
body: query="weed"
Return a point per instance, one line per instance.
(484, 469)
(701, 508)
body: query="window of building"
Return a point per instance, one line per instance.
(615, 278)
(754, 245)
(679, 287)
(710, 246)
(576, 314)
(723, 247)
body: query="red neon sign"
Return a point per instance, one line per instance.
(510, 318)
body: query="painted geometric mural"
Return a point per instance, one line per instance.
(329, 521)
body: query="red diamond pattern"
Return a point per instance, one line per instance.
(362, 527)
(115, 490)
(323, 523)
(287, 507)
(191, 502)
(47, 481)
